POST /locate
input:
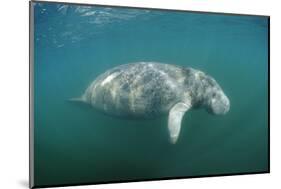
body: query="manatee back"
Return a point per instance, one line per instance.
(138, 89)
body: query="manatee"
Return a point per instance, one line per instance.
(152, 89)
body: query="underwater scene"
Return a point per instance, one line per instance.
(128, 94)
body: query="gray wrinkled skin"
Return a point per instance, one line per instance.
(150, 89)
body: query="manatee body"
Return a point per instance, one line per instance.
(150, 89)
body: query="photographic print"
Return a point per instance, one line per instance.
(121, 94)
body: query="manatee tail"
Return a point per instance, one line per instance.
(77, 99)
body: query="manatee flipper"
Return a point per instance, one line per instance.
(175, 116)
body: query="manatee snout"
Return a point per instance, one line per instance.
(219, 105)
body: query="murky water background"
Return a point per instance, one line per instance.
(76, 144)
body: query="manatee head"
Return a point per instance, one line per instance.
(217, 102)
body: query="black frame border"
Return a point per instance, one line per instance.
(31, 97)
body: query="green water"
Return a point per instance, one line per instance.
(76, 144)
